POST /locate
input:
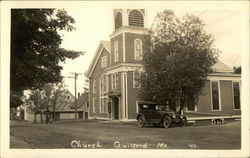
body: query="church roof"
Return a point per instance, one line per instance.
(106, 44)
(221, 67)
(102, 44)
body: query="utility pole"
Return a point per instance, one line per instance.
(75, 77)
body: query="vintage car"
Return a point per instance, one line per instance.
(157, 114)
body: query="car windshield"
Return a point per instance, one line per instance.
(154, 107)
(162, 108)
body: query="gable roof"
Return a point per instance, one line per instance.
(221, 67)
(102, 44)
(80, 101)
(63, 103)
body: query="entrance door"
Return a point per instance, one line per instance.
(116, 108)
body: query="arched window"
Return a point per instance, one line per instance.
(116, 52)
(138, 49)
(135, 18)
(94, 86)
(118, 20)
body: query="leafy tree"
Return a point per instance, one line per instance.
(35, 48)
(179, 58)
(237, 70)
(36, 102)
(47, 99)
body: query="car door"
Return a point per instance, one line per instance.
(153, 114)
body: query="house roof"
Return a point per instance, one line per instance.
(221, 67)
(80, 101)
(63, 103)
(102, 44)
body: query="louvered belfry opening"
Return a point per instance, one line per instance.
(135, 18)
(118, 20)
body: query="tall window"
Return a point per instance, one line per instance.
(135, 18)
(103, 96)
(118, 20)
(116, 52)
(94, 86)
(236, 95)
(138, 49)
(104, 105)
(104, 62)
(137, 79)
(215, 96)
(115, 81)
(104, 84)
(94, 105)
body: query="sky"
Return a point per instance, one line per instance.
(95, 23)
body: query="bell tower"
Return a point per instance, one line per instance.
(128, 37)
(129, 17)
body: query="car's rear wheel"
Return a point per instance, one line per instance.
(141, 122)
(167, 121)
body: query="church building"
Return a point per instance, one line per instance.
(115, 70)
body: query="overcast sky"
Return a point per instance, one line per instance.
(225, 20)
(95, 23)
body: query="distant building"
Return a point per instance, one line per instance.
(65, 109)
(113, 74)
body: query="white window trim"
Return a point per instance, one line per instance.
(104, 60)
(134, 79)
(100, 107)
(93, 104)
(114, 82)
(211, 93)
(233, 95)
(135, 49)
(116, 49)
(94, 86)
(101, 94)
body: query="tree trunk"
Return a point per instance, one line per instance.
(41, 113)
(54, 115)
(35, 118)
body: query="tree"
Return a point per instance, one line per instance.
(46, 99)
(58, 91)
(35, 47)
(36, 102)
(179, 58)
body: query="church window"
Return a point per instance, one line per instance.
(104, 62)
(215, 90)
(137, 79)
(135, 18)
(116, 52)
(138, 49)
(118, 20)
(236, 95)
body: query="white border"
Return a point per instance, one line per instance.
(5, 45)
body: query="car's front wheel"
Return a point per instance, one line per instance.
(141, 122)
(167, 121)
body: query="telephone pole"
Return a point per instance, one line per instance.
(75, 77)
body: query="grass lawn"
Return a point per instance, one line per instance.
(61, 135)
